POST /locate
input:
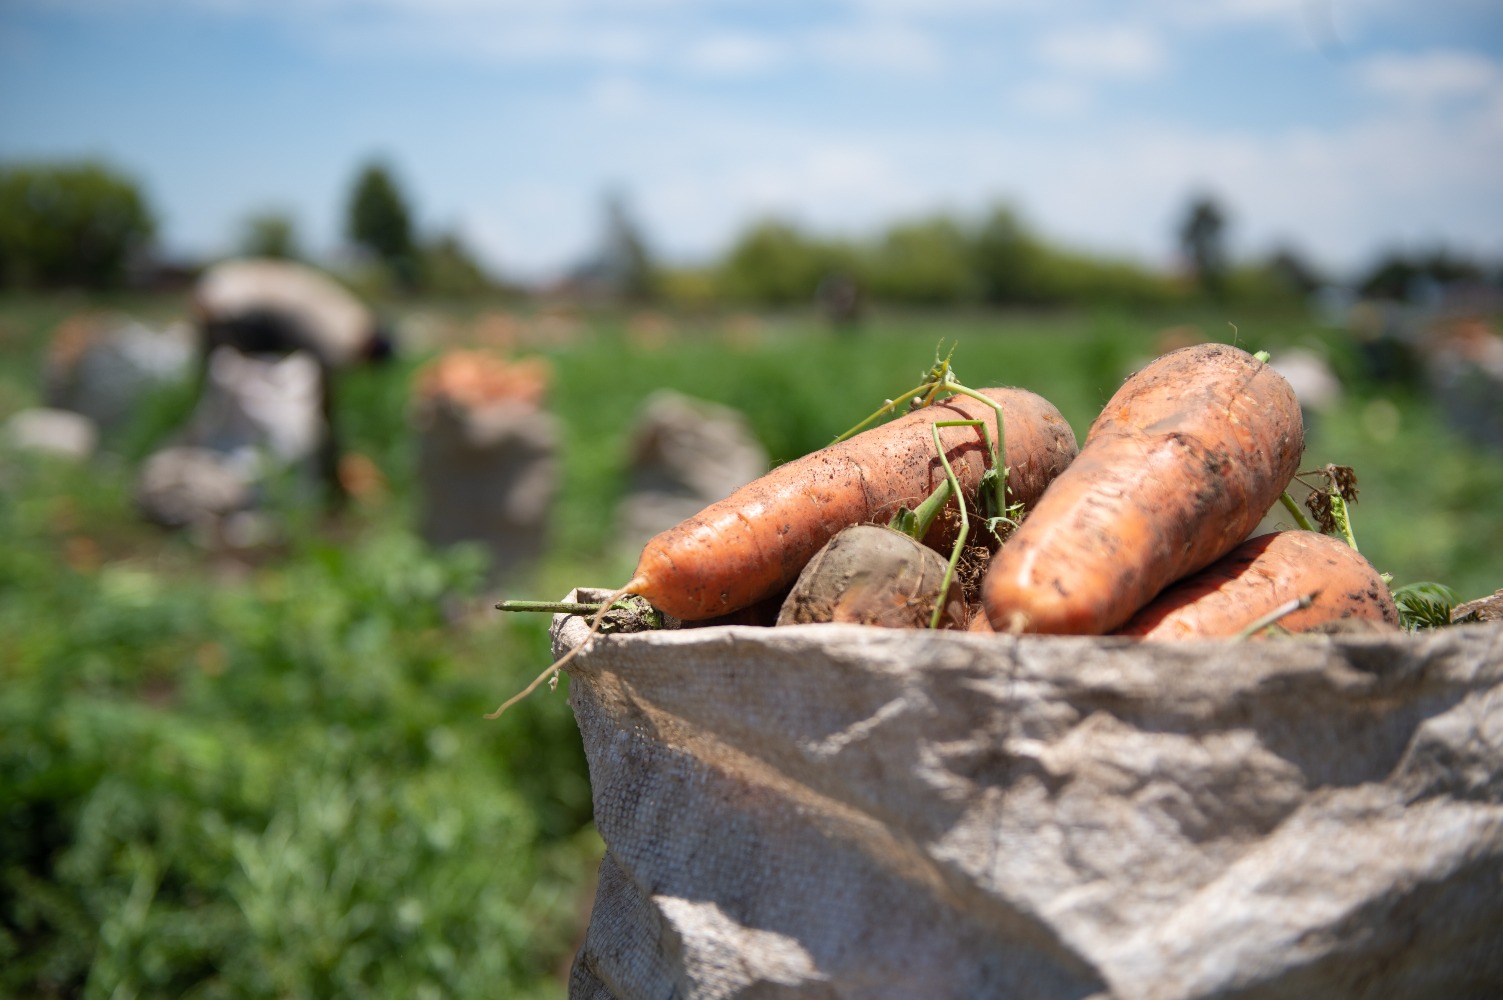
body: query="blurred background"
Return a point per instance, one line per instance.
(324, 325)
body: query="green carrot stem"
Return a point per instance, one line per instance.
(553, 607)
(965, 521)
(890, 406)
(1294, 511)
(1340, 516)
(926, 512)
(997, 448)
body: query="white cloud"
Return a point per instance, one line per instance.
(1051, 98)
(618, 96)
(732, 54)
(1340, 194)
(1431, 76)
(1118, 51)
(878, 45)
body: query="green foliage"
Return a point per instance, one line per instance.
(776, 264)
(280, 786)
(1006, 256)
(926, 262)
(1202, 237)
(276, 781)
(1424, 605)
(1397, 275)
(270, 234)
(380, 222)
(625, 260)
(76, 225)
(449, 269)
(1062, 277)
(936, 261)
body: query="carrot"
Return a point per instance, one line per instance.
(751, 546)
(1180, 466)
(756, 541)
(1260, 576)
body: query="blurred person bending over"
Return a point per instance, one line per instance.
(274, 308)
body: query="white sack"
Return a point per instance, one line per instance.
(836, 811)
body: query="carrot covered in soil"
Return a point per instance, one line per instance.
(756, 541)
(1180, 466)
(1260, 576)
(872, 575)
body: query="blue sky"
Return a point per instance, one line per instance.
(1341, 127)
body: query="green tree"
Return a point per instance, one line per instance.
(449, 268)
(626, 262)
(926, 262)
(1400, 276)
(379, 221)
(70, 225)
(774, 263)
(1202, 237)
(1006, 258)
(270, 234)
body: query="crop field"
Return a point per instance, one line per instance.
(271, 776)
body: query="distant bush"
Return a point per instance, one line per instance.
(935, 261)
(77, 225)
(1069, 277)
(927, 262)
(1401, 276)
(775, 264)
(379, 221)
(448, 268)
(270, 234)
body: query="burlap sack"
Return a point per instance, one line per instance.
(841, 811)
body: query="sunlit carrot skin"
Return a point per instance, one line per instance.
(754, 543)
(1180, 466)
(1259, 576)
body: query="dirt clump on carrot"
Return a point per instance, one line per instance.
(748, 546)
(1323, 580)
(872, 575)
(1180, 466)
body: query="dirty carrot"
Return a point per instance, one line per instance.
(1179, 467)
(755, 542)
(1261, 575)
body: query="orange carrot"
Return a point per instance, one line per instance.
(1261, 575)
(754, 543)
(1181, 464)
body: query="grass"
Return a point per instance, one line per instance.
(273, 779)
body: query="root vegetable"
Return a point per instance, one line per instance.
(1259, 576)
(872, 575)
(1179, 467)
(755, 542)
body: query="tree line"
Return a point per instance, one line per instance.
(86, 225)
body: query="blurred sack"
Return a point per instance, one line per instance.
(843, 812)
(45, 430)
(685, 455)
(103, 366)
(487, 456)
(257, 419)
(1464, 365)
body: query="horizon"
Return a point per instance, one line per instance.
(1341, 130)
